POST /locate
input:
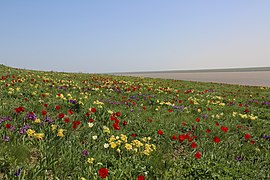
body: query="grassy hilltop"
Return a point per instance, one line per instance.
(86, 126)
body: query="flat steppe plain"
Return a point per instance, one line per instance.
(240, 76)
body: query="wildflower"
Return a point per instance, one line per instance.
(224, 129)
(57, 107)
(128, 146)
(103, 172)
(85, 152)
(37, 121)
(8, 126)
(90, 160)
(60, 133)
(247, 136)
(43, 112)
(160, 132)
(18, 172)
(6, 139)
(106, 145)
(53, 127)
(174, 137)
(39, 136)
(90, 124)
(197, 155)
(30, 132)
(94, 137)
(208, 131)
(239, 158)
(216, 140)
(198, 120)
(193, 145)
(141, 177)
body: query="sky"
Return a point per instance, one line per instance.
(105, 36)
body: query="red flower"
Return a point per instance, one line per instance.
(125, 123)
(87, 114)
(184, 123)
(70, 112)
(247, 136)
(57, 107)
(217, 124)
(91, 120)
(116, 126)
(240, 105)
(216, 140)
(198, 155)
(133, 135)
(174, 137)
(43, 112)
(252, 142)
(103, 172)
(224, 129)
(160, 132)
(193, 145)
(45, 105)
(8, 126)
(198, 120)
(118, 114)
(93, 110)
(246, 111)
(169, 110)
(61, 115)
(141, 177)
(66, 120)
(208, 131)
(181, 138)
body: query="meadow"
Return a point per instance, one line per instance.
(90, 126)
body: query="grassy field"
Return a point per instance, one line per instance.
(85, 126)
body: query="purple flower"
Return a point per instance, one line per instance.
(32, 116)
(239, 158)
(6, 139)
(85, 152)
(18, 172)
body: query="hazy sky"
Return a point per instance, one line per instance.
(124, 35)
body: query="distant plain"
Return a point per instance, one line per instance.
(259, 76)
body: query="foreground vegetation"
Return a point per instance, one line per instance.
(84, 126)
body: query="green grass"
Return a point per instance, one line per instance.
(144, 113)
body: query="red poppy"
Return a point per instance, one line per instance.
(8, 126)
(91, 120)
(43, 112)
(118, 114)
(198, 155)
(246, 111)
(93, 110)
(224, 129)
(116, 126)
(252, 142)
(193, 145)
(181, 138)
(198, 120)
(141, 177)
(208, 131)
(174, 137)
(184, 123)
(240, 105)
(216, 140)
(208, 109)
(45, 105)
(160, 132)
(103, 172)
(66, 120)
(247, 136)
(133, 135)
(61, 115)
(57, 107)
(169, 110)
(217, 124)
(87, 114)
(125, 123)
(70, 112)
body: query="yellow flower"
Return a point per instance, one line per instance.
(90, 160)
(128, 146)
(113, 145)
(39, 136)
(53, 127)
(30, 132)
(37, 120)
(123, 137)
(60, 133)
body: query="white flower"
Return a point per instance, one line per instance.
(106, 145)
(94, 137)
(90, 124)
